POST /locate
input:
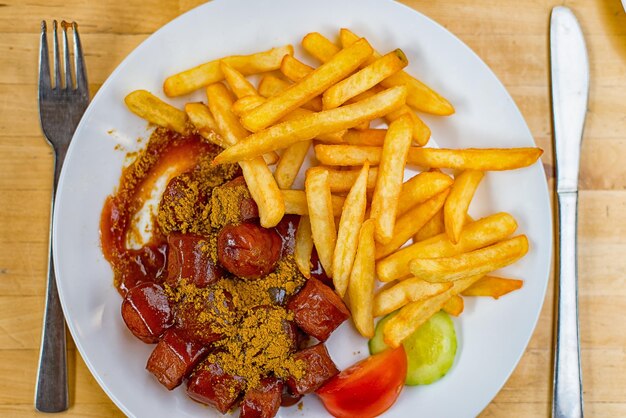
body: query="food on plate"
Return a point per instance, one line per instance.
(430, 350)
(461, 194)
(493, 286)
(420, 96)
(389, 179)
(352, 217)
(368, 388)
(321, 216)
(210, 72)
(239, 273)
(362, 281)
(482, 261)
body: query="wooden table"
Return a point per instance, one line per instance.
(510, 35)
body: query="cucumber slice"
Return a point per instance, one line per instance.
(430, 350)
(377, 344)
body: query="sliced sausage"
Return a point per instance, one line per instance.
(264, 401)
(146, 312)
(210, 385)
(318, 369)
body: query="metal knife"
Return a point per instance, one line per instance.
(570, 91)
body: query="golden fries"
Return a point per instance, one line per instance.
(149, 107)
(295, 203)
(270, 85)
(406, 291)
(246, 104)
(389, 180)
(421, 132)
(478, 262)
(308, 127)
(343, 180)
(461, 194)
(371, 137)
(320, 207)
(411, 222)
(415, 314)
(421, 97)
(259, 178)
(434, 226)
(340, 66)
(319, 46)
(303, 246)
(294, 69)
(201, 118)
(421, 188)
(475, 235)
(348, 233)
(289, 164)
(210, 72)
(486, 159)
(362, 281)
(454, 306)
(364, 79)
(237, 82)
(493, 286)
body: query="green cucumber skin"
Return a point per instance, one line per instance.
(418, 373)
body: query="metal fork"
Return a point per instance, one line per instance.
(60, 108)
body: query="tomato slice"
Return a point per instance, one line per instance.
(368, 388)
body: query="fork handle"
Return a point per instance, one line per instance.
(567, 400)
(51, 393)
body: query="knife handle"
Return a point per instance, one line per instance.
(567, 399)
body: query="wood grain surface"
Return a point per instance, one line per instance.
(511, 36)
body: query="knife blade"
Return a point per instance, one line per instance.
(570, 90)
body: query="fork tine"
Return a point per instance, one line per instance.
(66, 57)
(44, 61)
(57, 64)
(79, 61)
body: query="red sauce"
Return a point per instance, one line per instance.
(147, 264)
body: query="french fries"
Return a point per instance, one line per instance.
(303, 246)
(415, 314)
(364, 79)
(454, 306)
(421, 188)
(493, 286)
(362, 281)
(421, 97)
(373, 137)
(343, 180)
(486, 159)
(289, 164)
(149, 107)
(210, 72)
(406, 291)
(294, 69)
(477, 262)
(340, 66)
(433, 227)
(237, 82)
(461, 194)
(259, 178)
(411, 222)
(320, 207)
(296, 203)
(389, 179)
(270, 85)
(308, 127)
(352, 217)
(479, 234)
(319, 46)
(202, 119)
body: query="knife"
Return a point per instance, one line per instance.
(570, 91)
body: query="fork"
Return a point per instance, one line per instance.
(60, 108)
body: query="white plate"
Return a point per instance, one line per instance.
(492, 334)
